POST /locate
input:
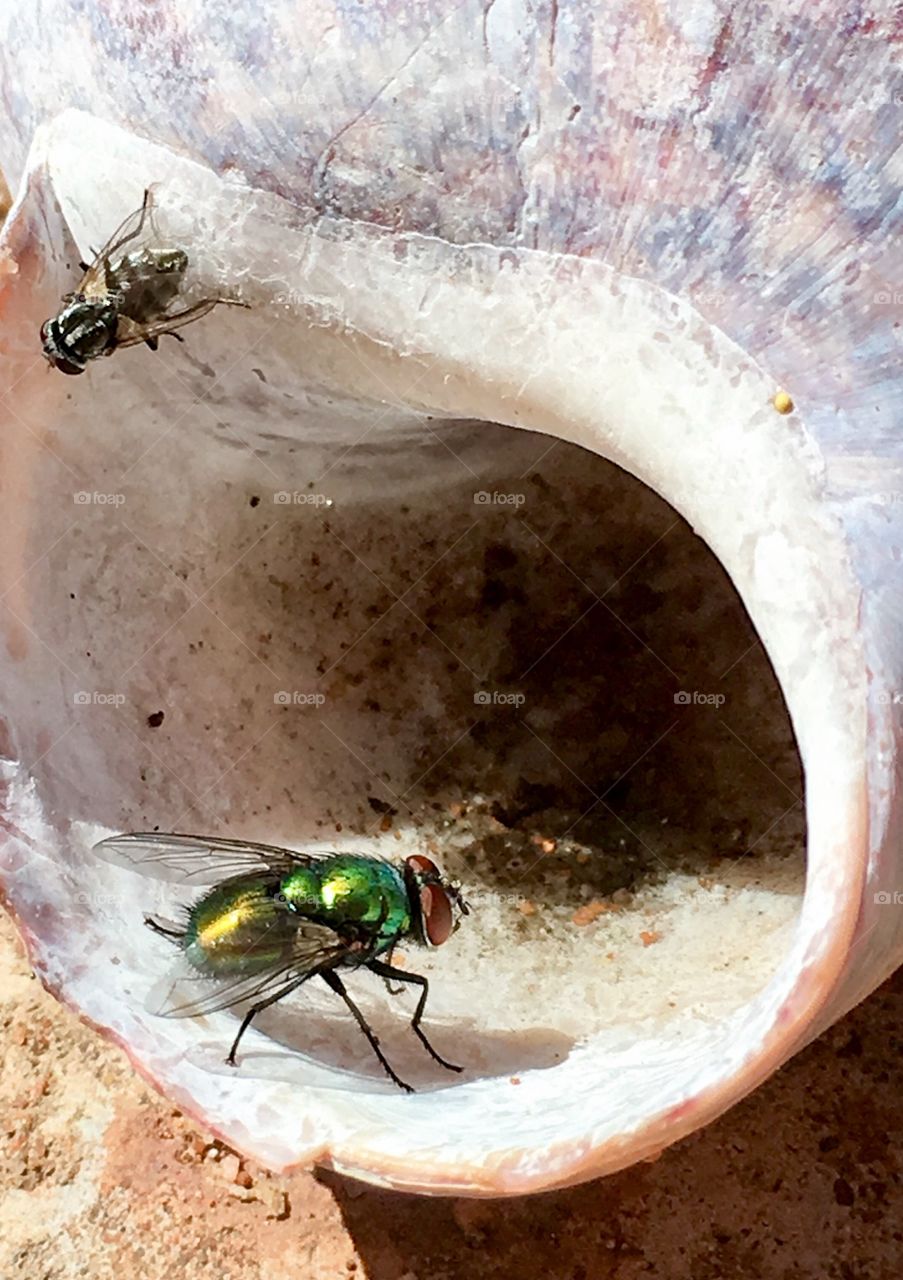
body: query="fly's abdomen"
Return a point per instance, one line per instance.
(239, 927)
(146, 282)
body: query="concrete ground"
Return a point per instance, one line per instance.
(100, 1178)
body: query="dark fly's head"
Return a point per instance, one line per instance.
(81, 332)
(436, 902)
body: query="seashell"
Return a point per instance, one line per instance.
(565, 408)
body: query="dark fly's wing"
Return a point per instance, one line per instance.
(185, 993)
(186, 859)
(93, 283)
(129, 334)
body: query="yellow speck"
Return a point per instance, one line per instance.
(782, 402)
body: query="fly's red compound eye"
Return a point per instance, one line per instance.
(436, 911)
(422, 865)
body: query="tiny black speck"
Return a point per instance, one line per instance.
(255, 501)
(155, 719)
(843, 1192)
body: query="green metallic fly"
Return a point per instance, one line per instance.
(274, 918)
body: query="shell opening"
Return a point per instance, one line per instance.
(378, 618)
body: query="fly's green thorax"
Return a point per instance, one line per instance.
(239, 927)
(352, 890)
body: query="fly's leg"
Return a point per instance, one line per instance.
(201, 308)
(335, 983)
(136, 333)
(258, 1008)
(392, 990)
(163, 929)
(417, 980)
(153, 343)
(139, 227)
(108, 272)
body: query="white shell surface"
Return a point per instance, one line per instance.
(652, 337)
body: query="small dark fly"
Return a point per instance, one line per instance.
(273, 919)
(123, 298)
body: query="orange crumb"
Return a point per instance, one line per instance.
(526, 907)
(386, 823)
(587, 914)
(648, 936)
(515, 1079)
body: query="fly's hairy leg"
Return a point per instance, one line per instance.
(259, 1007)
(335, 983)
(417, 980)
(392, 990)
(162, 930)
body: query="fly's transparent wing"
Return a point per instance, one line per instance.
(93, 283)
(186, 859)
(129, 334)
(184, 992)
